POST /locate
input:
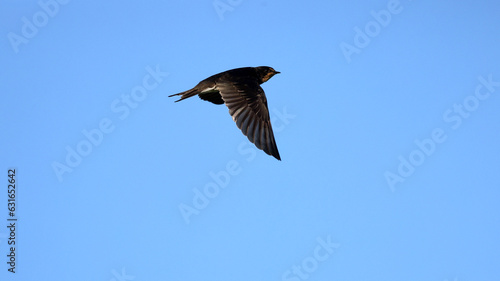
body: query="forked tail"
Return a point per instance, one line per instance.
(186, 94)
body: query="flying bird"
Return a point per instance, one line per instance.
(240, 90)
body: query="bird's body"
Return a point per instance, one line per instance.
(240, 90)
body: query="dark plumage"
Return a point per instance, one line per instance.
(240, 90)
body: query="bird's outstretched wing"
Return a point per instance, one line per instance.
(247, 105)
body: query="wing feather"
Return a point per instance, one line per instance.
(247, 105)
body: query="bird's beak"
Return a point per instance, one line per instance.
(276, 72)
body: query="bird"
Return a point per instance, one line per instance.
(240, 90)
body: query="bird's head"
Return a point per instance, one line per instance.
(265, 73)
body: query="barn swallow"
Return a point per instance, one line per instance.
(240, 90)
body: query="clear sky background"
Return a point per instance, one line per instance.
(386, 116)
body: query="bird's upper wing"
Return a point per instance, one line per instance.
(247, 105)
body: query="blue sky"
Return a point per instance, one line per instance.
(385, 115)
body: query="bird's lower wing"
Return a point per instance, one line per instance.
(247, 105)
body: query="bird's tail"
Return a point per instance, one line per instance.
(186, 94)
